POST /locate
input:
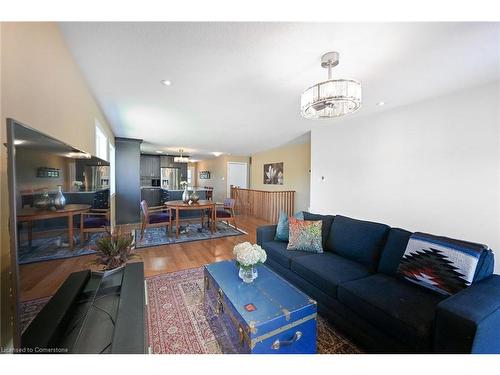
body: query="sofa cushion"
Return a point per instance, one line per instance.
(357, 240)
(326, 225)
(393, 250)
(276, 250)
(326, 271)
(396, 307)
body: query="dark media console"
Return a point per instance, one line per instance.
(92, 313)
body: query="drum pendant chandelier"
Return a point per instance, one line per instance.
(331, 98)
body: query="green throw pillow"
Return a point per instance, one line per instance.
(282, 227)
(305, 235)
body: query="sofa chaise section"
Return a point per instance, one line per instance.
(469, 321)
(398, 308)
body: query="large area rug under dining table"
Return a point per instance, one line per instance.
(56, 246)
(177, 322)
(188, 232)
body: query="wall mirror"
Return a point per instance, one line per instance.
(53, 189)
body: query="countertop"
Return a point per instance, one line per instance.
(156, 187)
(64, 192)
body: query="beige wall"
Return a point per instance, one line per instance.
(296, 160)
(218, 173)
(27, 163)
(42, 87)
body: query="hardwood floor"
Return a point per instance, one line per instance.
(44, 278)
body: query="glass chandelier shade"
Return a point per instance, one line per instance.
(181, 159)
(331, 98)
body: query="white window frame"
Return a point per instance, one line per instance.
(189, 177)
(101, 142)
(111, 168)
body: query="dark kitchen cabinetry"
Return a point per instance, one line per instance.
(168, 162)
(151, 196)
(150, 166)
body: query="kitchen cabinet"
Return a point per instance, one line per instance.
(151, 196)
(168, 162)
(150, 166)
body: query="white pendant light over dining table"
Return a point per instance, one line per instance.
(331, 98)
(181, 159)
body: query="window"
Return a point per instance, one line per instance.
(190, 177)
(101, 142)
(111, 169)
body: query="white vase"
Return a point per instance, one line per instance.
(248, 275)
(185, 195)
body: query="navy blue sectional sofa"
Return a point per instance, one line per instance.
(356, 286)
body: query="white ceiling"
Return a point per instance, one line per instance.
(236, 86)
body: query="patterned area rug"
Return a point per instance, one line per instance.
(56, 247)
(176, 321)
(188, 233)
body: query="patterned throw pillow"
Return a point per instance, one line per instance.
(442, 264)
(305, 235)
(282, 227)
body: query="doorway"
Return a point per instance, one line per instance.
(237, 175)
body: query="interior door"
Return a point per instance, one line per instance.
(237, 175)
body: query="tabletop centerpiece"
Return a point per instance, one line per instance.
(248, 257)
(185, 193)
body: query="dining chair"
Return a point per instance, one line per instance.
(225, 212)
(97, 219)
(209, 193)
(94, 221)
(154, 217)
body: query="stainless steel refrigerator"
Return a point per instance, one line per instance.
(96, 177)
(170, 178)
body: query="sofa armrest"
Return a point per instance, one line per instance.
(469, 321)
(265, 233)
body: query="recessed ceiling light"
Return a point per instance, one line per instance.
(380, 104)
(159, 152)
(166, 82)
(217, 154)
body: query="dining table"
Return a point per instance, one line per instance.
(30, 214)
(202, 205)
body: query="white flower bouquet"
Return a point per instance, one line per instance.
(248, 255)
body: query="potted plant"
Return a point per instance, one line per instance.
(248, 257)
(114, 250)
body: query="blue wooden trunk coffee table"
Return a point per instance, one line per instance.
(267, 316)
